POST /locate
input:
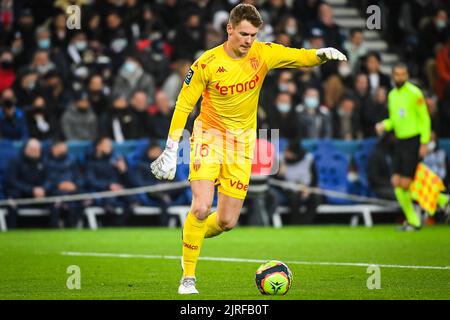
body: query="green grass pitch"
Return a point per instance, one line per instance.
(32, 265)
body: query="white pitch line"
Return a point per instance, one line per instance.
(316, 263)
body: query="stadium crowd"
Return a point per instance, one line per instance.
(117, 78)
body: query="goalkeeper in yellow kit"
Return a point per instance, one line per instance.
(229, 77)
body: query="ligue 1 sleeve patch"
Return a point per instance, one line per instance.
(189, 76)
(420, 101)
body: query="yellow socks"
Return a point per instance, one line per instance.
(213, 228)
(193, 234)
(405, 201)
(443, 200)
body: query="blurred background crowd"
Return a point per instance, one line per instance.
(117, 78)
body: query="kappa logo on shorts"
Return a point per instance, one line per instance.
(189, 76)
(238, 185)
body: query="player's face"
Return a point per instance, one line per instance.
(400, 76)
(241, 37)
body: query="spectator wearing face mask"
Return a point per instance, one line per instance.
(283, 82)
(346, 120)
(284, 118)
(114, 26)
(97, 92)
(298, 166)
(44, 42)
(306, 78)
(433, 34)
(108, 172)
(13, 125)
(275, 10)
(314, 119)
(118, 49)
(120, 122)
(63, 178)
(7, 72)
(79, 122)
(78, 56)
(42, 125)
(289, 26)
(59, 31)
(27, 87)
(160, 116)
(190, 37)
(41, 62)
(57, 95)
(374, 111)
(132, 78)
(140, 108)
(27, 178)
(365, 103)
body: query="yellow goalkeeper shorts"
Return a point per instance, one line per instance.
(227, 164)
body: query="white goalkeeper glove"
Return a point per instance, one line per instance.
(165, 166)
(326, 54)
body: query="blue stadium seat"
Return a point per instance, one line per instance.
(332, 169)
(135, 155)
(7, 153)
(361, 159)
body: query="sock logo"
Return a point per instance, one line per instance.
(238, 185)
(190, 246)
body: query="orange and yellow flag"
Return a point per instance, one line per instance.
(426, 188)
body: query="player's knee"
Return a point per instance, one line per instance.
(226, 224)
(200, 210)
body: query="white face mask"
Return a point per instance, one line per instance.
(311, 102)
(344, 69)
(284, 107)
(118, 45)
(283, 87)
(441, 24)
(291, 30)
(81, 45)
(431, 145)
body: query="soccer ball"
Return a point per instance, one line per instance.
(273, 278)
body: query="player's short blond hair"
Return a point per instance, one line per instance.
(245, 12)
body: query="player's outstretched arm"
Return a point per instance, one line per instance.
(327, 54)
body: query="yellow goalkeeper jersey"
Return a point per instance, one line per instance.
(230, 87)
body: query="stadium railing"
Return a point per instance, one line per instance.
(79, 148)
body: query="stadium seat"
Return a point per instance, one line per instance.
(332, 167)
(361, 159)
(7, 153)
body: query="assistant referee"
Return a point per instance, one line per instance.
(410, 121)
